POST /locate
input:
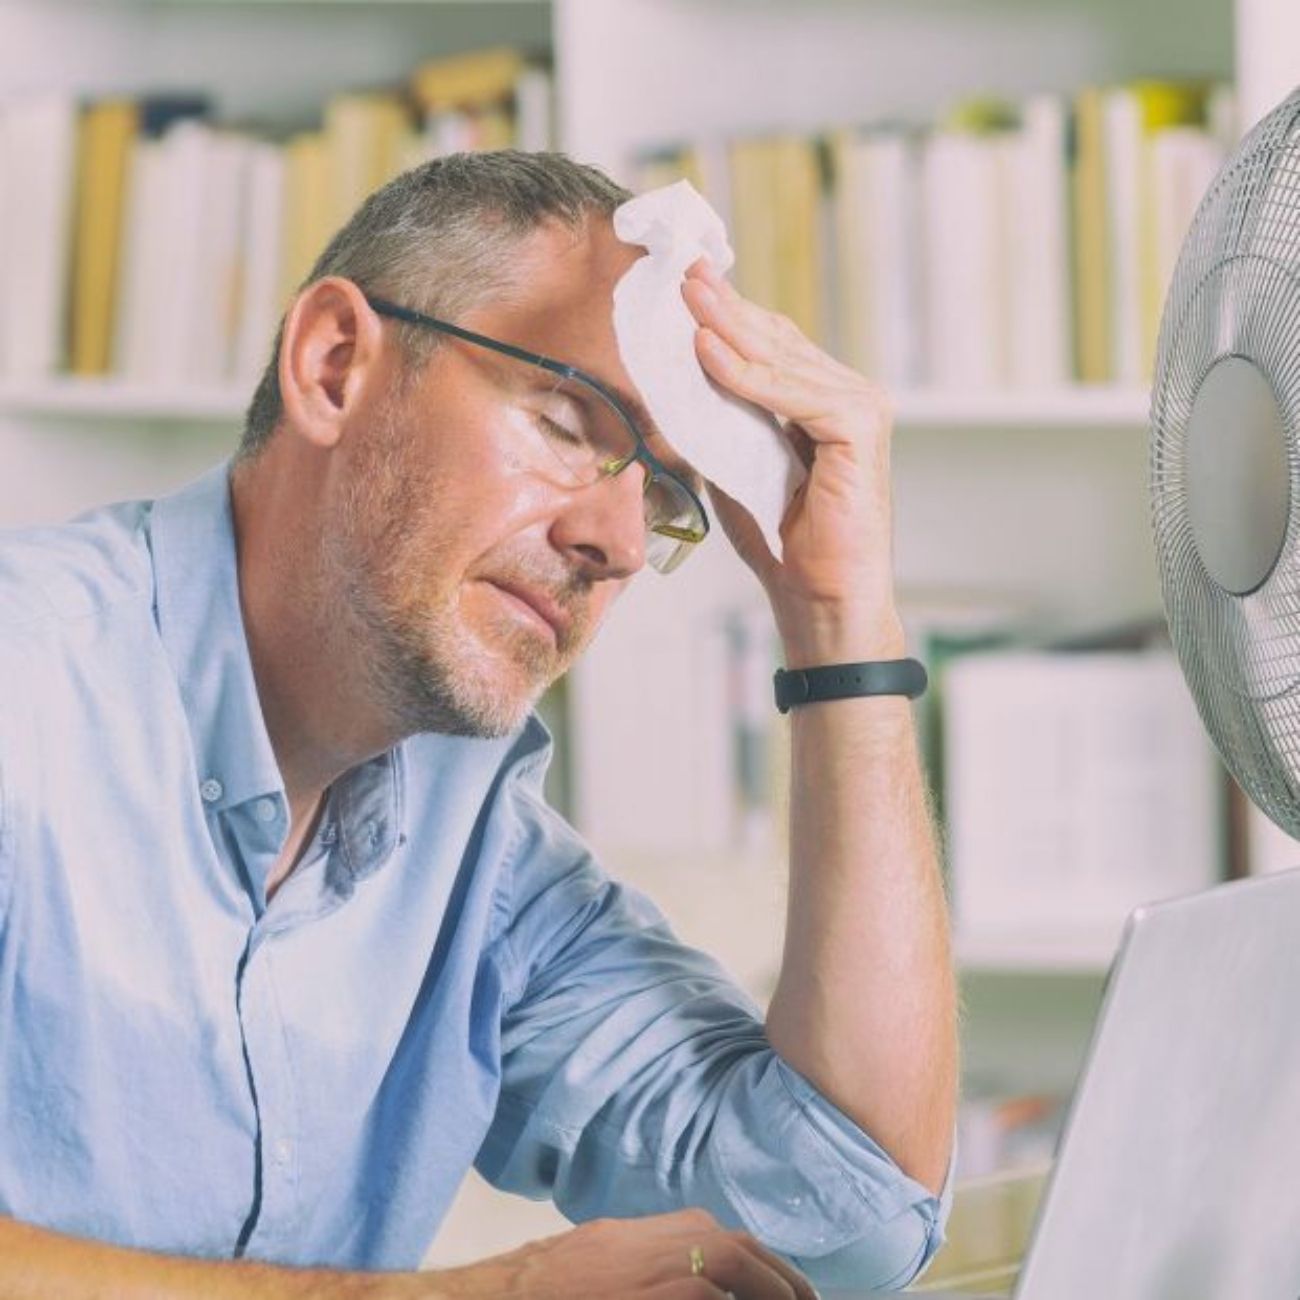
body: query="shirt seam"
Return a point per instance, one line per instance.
(104, 605)
(501, 911)
(502, 906)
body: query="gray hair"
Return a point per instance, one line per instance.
(439, 239)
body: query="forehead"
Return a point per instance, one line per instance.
(562, 293)
(561, 299)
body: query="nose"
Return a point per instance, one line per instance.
(602, 525)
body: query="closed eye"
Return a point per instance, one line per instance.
(554, 429)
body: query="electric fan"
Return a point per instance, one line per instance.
(1225, 462)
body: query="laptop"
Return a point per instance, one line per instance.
(1178, 1172)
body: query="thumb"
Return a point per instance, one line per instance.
(743, 532)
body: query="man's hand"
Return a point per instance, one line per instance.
(631, 1259)
(832, 589)
(640, 1259)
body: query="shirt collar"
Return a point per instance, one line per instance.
(200, 621)
(201, 624)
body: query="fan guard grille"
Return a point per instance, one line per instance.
(1236, 293)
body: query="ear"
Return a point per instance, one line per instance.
(333, 343)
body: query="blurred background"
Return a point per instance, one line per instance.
(977, 202)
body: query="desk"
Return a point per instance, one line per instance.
(988, 1233)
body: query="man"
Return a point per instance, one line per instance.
(288, 937)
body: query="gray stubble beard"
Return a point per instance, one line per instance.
(411, 669)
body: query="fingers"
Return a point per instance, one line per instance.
(747, 326)
(765, 358)
(736, 1262)
(800, 1287)
(745, 1276)
(777, 383)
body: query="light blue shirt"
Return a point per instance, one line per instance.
(447, 978)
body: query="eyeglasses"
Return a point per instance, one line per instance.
(587, 434)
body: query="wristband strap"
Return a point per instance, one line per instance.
(846, 681)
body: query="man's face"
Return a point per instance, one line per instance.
(478, 579)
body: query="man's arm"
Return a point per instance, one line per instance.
(865, 1004)
(649, 1259)
(865, 1007)
(36, 1264)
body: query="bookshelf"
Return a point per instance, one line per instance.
(116, 400)
(1047, 410)
(1040, 493)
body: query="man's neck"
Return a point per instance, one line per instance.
(309, 683)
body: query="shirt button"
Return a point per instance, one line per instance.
(265, 810)
(283, 1151)
(211, 790)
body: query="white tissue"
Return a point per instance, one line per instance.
(732, 443)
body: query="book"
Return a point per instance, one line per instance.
(142, 218)
(1179, 107)
(473, 79)
(964, 259)
(1091, 241)
(38, 140)
(754, 230)
(308, 221)
(497, 98)
(259, 299)
(1077, 786)
(796, 180)
(1122, 127)
(364, 136)
(106, 138)
(160, 239)
(876, 253)
(779, 228)
(171, 269)
(218, 261)
(942, 625)
(1134, 118)
(1038, 260)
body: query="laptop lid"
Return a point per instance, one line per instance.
(1178, 1169)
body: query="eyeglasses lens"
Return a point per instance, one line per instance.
(674, 523)
(578, 438)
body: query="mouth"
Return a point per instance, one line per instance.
(537, 606)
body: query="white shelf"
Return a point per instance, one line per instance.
(116, 400)
(1066, 408)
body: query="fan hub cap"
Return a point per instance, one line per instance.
(1238, 477)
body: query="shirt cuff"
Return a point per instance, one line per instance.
(839, 1204)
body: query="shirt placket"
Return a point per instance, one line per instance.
(272, 1223)
(273, 1216)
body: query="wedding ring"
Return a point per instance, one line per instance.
(697, 1262)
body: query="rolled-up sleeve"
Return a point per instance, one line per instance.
(637, 1079)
